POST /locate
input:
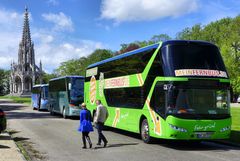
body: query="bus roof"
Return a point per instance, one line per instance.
(171, 42)
(124, 55)
(40, 85)
(69, 76)
(168, 42)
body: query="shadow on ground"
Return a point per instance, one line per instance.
(4, 147)
(7, 107)
(17, 111)
(115, 145)
(179, 145)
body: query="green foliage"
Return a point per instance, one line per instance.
(158, 38)
(138, 44)
(78, 66)
(47, 77)
(16, 99)
(235, 112)
(4, 81)
(128, 47)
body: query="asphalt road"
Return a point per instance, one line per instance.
(57, 139)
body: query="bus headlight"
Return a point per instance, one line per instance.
(227, 128)
(177, 128)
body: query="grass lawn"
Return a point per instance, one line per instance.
(235, 134)
(18, 99)
(235, 112)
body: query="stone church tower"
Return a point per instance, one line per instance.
(25, 73)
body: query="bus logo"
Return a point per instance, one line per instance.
(93, 88)
(117, 82)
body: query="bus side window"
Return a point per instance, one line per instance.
(158, 101)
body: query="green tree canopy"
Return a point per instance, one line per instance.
(4, 81)
(78, 66)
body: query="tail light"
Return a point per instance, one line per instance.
(2, 113)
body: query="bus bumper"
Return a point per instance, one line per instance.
(184, 129)
(74, 112)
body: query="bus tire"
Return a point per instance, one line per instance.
(145, 132)
(64, 113)
(51, 110)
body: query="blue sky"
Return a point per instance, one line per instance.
(63, 30)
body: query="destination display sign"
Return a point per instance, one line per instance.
(91, 72)
(200, 72)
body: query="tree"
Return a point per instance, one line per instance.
(46, 77)
(128, 47)
(158, 38)
(78, 66)
(4, 81)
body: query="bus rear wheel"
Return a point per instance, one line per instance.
(145, 132)
(51, 110)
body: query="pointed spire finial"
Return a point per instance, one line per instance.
(26, 8)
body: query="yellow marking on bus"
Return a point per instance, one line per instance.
(140, 79)
(93, 88)
(117, 116)
(157, 123)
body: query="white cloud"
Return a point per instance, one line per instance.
(53, 2)
(43, 37)
(61, 21)
(10, 23)
(52, 55)
(141, 10)
(50, 47)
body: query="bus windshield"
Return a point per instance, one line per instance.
(185, 103)
(76, 88)
(192, 56)
(36, 90)
(45, 92)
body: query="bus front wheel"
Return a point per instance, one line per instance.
(64, 114)
(145, 132)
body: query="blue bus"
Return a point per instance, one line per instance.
(65, 95)
(40, 97)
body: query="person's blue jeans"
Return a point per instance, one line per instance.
(101, 137)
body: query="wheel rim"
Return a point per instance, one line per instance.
(64, 113)
(145, 130)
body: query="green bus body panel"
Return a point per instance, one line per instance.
(130, 118)
(195, 126)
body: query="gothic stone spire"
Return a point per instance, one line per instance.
(26, 36)
(26, 51)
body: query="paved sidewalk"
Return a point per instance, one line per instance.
(8, 149)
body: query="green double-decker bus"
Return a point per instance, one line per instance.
(172, 90)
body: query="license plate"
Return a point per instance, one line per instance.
(204, 135)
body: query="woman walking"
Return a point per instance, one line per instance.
(85, 125)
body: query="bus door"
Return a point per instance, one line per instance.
(158, 100)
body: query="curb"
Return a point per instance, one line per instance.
(16, 147)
